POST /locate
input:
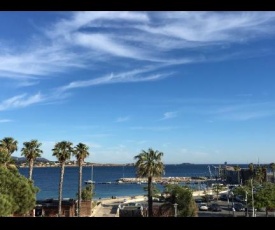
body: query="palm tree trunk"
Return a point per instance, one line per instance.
(31, 168)
(79, 187)
(60, 188)
(150, 200)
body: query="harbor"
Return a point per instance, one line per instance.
(161, 180)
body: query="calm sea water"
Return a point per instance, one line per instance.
(47, 179)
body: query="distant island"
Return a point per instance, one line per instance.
(43, 162)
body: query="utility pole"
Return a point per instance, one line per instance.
(210, 174)
(252, 197)
(246, 203)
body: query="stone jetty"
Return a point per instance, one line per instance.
(163, 180)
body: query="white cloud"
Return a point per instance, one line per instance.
(169, 115)
(20, 101)
(130, 76)
(154, 128)
(37, 61)
(79, 20)
(245, 111)
(5, 120)
(91, 40)
(122, 119)
(213, 26)
(100, 135)
(78, 39)
(105, 44)
(244, 116)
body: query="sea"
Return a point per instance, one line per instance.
(105, 177)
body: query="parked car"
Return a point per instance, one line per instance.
(223, 197)
(155, 198)
(199, 200)
(208, 197)
(239, 207)
(215, 207)
(250, 209)
(239, 198)
(203, 207)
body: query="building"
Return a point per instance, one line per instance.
(241, 175)
(49, 207)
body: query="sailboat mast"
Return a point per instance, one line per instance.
(92, 176)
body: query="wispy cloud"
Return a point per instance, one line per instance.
(235, 109)
(131, 76)
(41, 61)
(154, 128)
(122, 119)
(245, 95)
(78, 37)
(107, 45)
(249, 115)
(244, 111)
(20, 101)
(169, 115)
(100, 135)
(92, 19)
(92, 40)
(5, 120)
(25, 83)
(212, 27)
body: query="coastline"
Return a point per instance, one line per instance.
(144, 197)
(105, 205)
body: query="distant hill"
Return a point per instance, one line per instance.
(24, 159)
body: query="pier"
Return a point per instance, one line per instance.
(163, 180)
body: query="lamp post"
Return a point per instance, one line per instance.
(228, 193)
(252, 198)
(232, 199)
(246, 203)
(175, 206)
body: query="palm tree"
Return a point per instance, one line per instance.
(260, 174)
(251, 169)
(62, 150)
(31, 151)
(149, 165)
(7, 146)
(272, 166)
(238, 169)
(10, 144)
(5, 159)
(80, 152)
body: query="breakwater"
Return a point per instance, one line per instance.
(163, 180)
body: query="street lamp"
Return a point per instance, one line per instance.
(246, 203)
(228, 193)
(232, 199)
(175, 206)
(252, 198)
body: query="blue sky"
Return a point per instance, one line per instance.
(197, 86)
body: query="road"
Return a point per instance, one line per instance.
(109, 207)
(227, 211)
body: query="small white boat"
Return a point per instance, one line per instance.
(89, 182)
(92, 176)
